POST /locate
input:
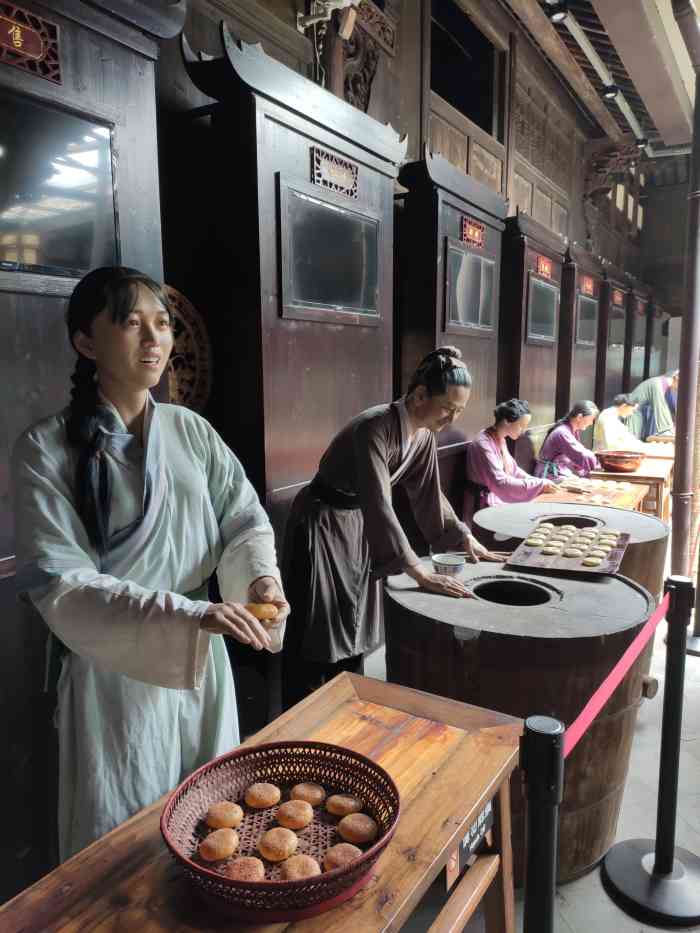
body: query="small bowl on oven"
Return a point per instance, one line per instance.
(448, 564)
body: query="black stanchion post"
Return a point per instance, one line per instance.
(542, 761)
(656, 881)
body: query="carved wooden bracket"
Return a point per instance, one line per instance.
(603, 167)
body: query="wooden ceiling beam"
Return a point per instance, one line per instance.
(530, 13)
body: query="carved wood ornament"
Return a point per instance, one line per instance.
(352, 63)
(603, 169)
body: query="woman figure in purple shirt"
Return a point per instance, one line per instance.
(490, 465)
(562, 452)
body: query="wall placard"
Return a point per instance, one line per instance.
(473, 232)
(330, 171)
(544, 267)
(29, 42)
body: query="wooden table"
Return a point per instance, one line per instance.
(448, 759)
(654, 473)
(632, 498)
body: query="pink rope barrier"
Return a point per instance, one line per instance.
(589, 712)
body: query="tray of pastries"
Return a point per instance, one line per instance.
(283, 831)
(571, 549)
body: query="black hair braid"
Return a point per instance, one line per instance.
(83, 430)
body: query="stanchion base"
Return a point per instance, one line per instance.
(692, 645)
(628, 877)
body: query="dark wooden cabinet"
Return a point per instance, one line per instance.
(657, 340)
(638, 307)
(101, 76)
(612, 336)
(582, 278)
(449, 230)
(280, 229)
(531, 279)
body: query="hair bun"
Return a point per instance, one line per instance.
(454, 352)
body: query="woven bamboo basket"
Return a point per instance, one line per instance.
(337, 769)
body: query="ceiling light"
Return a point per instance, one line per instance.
(558, 11)
(642, 142)
(610, 91)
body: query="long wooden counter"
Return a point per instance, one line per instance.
(448, 759)
(632, 498)
(655, 473)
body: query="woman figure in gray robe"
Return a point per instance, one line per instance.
(124, 508)
(343, 534)
(655, 399)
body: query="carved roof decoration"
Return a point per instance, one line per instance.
(247, 66)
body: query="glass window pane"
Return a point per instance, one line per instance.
(620, 197)
(486, 304)
(470, 284)
(630, 208)
(333, 256)
(640, 217)
(56, 186)
(542, 310)
(587, 328)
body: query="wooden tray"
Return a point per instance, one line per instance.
(528, 555)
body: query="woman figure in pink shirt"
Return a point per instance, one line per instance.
(490, 465)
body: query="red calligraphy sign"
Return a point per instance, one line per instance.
(473, 233)
(544, 267)
(21, 39)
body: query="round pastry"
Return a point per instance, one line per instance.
(248, 868)
(592, 561)
(535, 542)
(262, 795)
(295, 814)
(300, 866)
(606, 548)
(277, 844)
(548, 525)
(568, 528)
(340, 855)
(222, 843)
(551, 550)
(573, 552)
(266, 611)
(558, 539)
(342, 804)
(224, 815)
(590, 535)
(597, 552)
(311, 793)
(358, 827)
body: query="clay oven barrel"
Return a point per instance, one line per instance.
(532, 643)
(506, 526)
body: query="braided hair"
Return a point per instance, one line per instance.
(439, 370)
(512, 410)
(115, 289)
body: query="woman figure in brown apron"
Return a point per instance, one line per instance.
(343, 535)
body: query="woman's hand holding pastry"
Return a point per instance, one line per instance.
(549, 487)
(233, 619)
(268, 590)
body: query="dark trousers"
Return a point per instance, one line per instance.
(300, 677)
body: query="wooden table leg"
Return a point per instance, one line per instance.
(499, 901)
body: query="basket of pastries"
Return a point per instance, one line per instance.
(282, 831)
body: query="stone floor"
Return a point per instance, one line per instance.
(583, 906)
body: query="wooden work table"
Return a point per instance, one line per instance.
(632, 498)
(448, 759)
(655, 473)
